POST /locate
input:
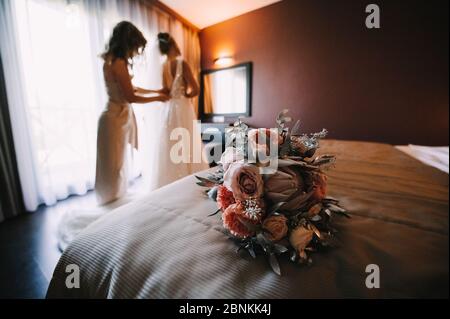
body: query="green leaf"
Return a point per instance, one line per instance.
(262, 240)
(217, 211)
(293, 257)
(344, 214)
(315, 230)
(251, 251)
(203, 184)
(275, 208)
(280, 249)
(206, 182)
(336, 208)
(273, 261)
(296, 129)
(212, 193)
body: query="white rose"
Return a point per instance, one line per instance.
(230, 156)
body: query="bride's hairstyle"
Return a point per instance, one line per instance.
(166, 42)
(125, 39)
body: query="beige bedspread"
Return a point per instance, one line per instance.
(165, 246)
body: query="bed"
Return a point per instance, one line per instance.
(165, 245)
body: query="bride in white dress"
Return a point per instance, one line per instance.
(117, 130)
(180, 147)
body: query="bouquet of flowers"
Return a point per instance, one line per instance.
(272, 192)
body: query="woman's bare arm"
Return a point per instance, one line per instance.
(147, 91)
(120, 71)
(192, 89)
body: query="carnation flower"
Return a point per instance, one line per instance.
(276, 226)
(224, 197)
(236, 222)
(244, 181)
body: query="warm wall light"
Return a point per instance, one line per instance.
(223, 61)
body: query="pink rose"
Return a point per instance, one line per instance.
(244, 181)
(261, 140)
(236, 222)
(276, 226)
(224, 197)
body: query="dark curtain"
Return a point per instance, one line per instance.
(11, 203)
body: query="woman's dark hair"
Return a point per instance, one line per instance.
(165, 42)
(125, 38)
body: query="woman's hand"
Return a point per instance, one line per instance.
(190, 94)
(162, 98)
(165, 91)
(144, 91)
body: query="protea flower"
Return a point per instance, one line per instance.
(298, 189)
(280, 186)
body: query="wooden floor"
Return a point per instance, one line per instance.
(29, 248)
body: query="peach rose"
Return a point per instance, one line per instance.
(224, 197)
(261, 140)
(299, 238)
(276, 226)
(319, 186)
(235, 221)
(244, 181)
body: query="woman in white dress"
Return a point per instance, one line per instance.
(180, 147)
(117, 131)
(117, 124)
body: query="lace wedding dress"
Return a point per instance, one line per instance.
(180, 151)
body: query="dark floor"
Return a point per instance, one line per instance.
(29, 248)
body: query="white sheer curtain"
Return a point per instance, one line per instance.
(55, 89)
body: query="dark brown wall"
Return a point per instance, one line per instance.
(318, 59)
